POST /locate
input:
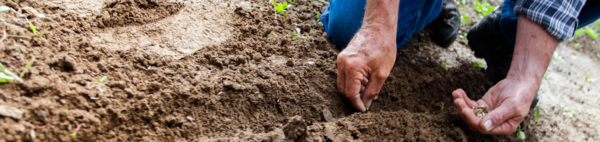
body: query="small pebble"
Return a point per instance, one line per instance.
(41, 113)
(189, 118)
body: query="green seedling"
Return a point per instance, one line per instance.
(103, 79)
(569, 112)
(442, 104)
(546, 77)
(579, 32)
(286, 14)
(32, 28)
(293, 0)
(588, 79)
(483, 8)
(7, 76)
(318, 16)
(280, 7)
(557, 57)
(320, 23)
(520, 134)
(295, 35)
(325, 60)
(479, 65)
(537, 115)
(576, 45)
(42, 35)
(592, 33)
(444, 66)
(465, 19)
(570, 39)
(74, 134)
(29, 64)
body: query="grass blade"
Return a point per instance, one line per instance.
(27, 67)
(32, 28)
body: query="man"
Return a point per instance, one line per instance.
(517, 42)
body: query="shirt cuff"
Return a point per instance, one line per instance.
(558, 17)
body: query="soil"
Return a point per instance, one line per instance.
(217, 71)
(481, 111)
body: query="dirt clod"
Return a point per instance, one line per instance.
(295, 128)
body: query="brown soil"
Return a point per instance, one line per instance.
(247, 88)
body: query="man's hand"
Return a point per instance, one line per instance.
(364, 65)
(369, 57)
(510, 98)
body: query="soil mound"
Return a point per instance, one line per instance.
(126, 12)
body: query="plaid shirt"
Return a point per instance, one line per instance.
(558, 17)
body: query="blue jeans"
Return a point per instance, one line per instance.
(343, 18)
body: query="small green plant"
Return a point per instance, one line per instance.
(280, 7)
(579, 32)
(483, 8)
(537, 115)
(74, 134)
(557, 57)
(7, 76)
(520, 134)
(588, 79)
(592, 33)
(103, 79)
(442, 104)
(29, 64)
(569, 112)
(293, 0)
(325, 60)
(479, 65)
(465, 19)
(546, 77)
(32, 27)
(576, 45)
(318, 16)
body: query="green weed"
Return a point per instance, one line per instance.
(465, 19)
(29, 64)
(479, 65)
(520, 134)
(537, 115)
(588, 79)
(442, 104)
(592, 33)
(444, 66)
(579, 32)
(7, 76)
(280, 7)
(293, 0)
(103, 79)
(568, 111)
(576, 44)
(483, 8)
(546, 77)
(32, 27)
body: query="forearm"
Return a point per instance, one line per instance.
(381, 15)
(533, 51)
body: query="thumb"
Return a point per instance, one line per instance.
(495, 122)
(373, 87)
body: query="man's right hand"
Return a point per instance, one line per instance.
(365, 64)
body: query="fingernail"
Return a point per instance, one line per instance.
(488, 125)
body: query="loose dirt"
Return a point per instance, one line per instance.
(216, 71)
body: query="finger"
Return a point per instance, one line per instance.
(341, 77)
(470, 119)
(362, 89)
(497, 118)
(374, 86)
(460, 93)
(352, 89)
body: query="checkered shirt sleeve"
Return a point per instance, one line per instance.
(558, 17)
